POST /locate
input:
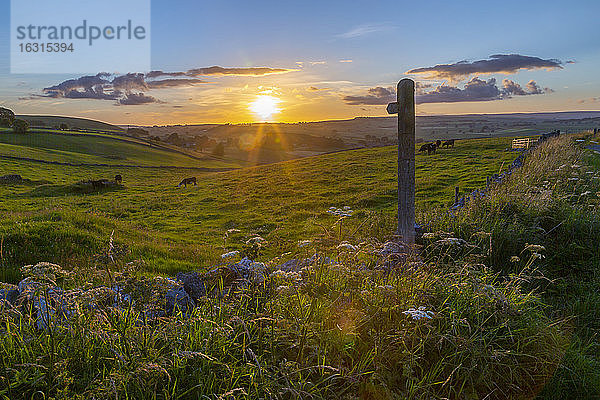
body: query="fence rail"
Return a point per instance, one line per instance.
(523, 143)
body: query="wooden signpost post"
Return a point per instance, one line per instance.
(405, 108)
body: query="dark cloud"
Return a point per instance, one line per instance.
(421, 86)
(216, 70)
(533, 88)
(96, 93)
(128, 89)
(156, 74)
(85, 83)
(170, 83)
(374, 97)
(497, 63)
(134, 99)
(252, 71)
(474, 90)
(130, 82)
(511, 88)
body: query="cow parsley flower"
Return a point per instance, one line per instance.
(419, 313)
(345, 211)
(346, 246)
(231, 254)
(255, 239)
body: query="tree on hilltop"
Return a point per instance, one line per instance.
(7, 117)
(20, 126)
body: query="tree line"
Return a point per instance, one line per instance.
(8, 120)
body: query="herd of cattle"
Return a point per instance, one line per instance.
(430, 148)
(119, 181)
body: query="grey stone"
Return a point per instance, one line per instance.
(178, 300)
(193, 284)
(249, 270)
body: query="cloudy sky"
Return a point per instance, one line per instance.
(315, 60)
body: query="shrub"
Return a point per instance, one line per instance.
(7, 117)
(20, 126)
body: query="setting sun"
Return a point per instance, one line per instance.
(265, 106)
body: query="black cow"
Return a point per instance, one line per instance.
(118, 179)
(438, 143)
(188, 181)
(449, 143)
(429, 148)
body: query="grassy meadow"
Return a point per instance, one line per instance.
(174, 228)
(500, 304)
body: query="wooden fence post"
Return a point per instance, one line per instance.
(456, 194)
(405, 108)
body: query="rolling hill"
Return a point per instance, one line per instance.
(51, 121)
(48, 146)
(175, 228)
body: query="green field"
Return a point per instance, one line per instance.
(98, 149)
(175, 228)
(512, 295)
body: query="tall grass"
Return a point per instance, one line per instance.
(340, 330)
(500, 305)
(551, 201)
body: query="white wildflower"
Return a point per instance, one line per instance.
(535, 256)
(429, 235)
(304, 243)
(341, 212)
(346, 246)
(230, 254)
(255, 239)
(293, 276)
(419, 313)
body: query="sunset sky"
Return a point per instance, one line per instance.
(306, 61)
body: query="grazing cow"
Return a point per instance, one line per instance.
(432, 148)
(429, 148)
(449, 143)
(438, 143)
(118, 179)
(188, 181)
